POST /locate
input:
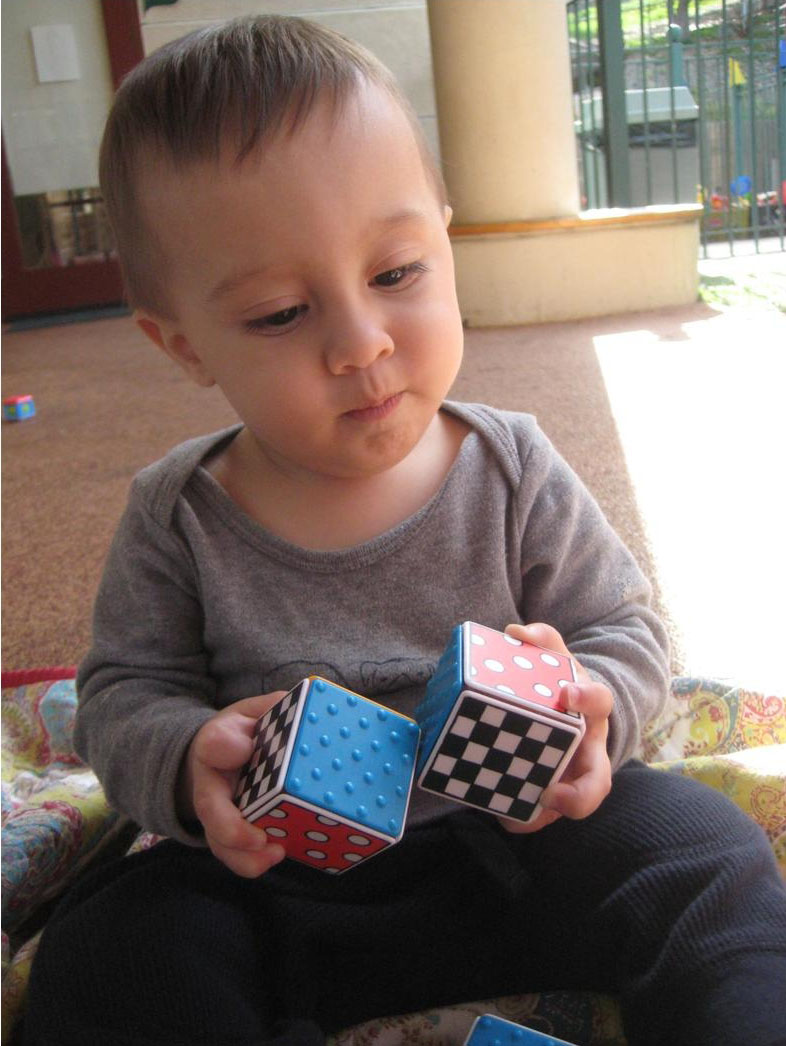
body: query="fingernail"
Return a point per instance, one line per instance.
(572, 695)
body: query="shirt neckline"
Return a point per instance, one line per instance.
(324, 560)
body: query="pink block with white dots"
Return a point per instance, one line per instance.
(495, 731)
(500, 666)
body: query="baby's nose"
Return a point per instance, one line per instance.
(356, 342)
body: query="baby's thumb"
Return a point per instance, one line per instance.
(540, 634)
(225, 742)
(256, 706)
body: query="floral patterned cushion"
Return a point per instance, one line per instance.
(54, 814)
(56, 822)
(55, 818)
(579, 1017)
(705, 716)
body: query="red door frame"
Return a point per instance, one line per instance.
(30, 291)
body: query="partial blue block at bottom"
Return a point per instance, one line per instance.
(494, 1031)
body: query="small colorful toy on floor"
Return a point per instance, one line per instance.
(331, 775)
(494, 1031)
(495, 733)
(18, 408)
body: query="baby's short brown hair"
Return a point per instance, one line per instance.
(234, 85)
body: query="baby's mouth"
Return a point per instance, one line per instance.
(375, 411)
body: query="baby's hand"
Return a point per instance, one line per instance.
(207, 781)
(587, 779)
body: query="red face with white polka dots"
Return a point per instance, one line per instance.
(508, 669)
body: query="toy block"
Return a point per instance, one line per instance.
(18, 408)
(495, 732)
(330, 776)
(489, 1030)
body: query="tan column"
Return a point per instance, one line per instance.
(504, 105)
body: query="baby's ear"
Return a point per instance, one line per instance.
(448, 214)
(164, 334)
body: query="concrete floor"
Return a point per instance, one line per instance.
(700, 415)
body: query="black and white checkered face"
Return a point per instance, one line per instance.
(263, 771)
(496, 758)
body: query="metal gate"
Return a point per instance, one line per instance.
(680, 101)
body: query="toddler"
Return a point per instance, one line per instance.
(283, 234)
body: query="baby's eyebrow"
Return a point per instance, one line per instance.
(406, 216)
(403, 217)
(230, 283)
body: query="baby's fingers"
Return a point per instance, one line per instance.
(240, 845)
(220, 818)
(540, 634)
(247, 863)
(224, 742)
(578, 797)
(593, 700)
(587, 781)
(254, 707)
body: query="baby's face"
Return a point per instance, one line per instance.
(314, 284)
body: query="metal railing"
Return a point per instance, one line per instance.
(680, 101)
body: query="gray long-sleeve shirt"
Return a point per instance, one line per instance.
(200, 606)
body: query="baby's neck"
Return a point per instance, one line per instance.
(324, 512)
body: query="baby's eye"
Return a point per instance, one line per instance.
(276, 322)
(402, 274)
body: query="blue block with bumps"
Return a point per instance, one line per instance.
(354, 757)
(331, 775)
(18, 408)
(443, 689)
(494, 1031)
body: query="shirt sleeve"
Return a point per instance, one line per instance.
(579, 577)
(144, 687)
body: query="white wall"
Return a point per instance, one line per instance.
(396, 31)
(52, 130)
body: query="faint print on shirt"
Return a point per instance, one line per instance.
(370, 677)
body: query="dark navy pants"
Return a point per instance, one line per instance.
(667, 896)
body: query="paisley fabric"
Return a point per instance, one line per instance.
(580, 1017)
(704, 716)
(56, 822)
(54, 814)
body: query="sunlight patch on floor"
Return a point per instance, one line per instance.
(701, 420)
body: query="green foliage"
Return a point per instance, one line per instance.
(759, 290)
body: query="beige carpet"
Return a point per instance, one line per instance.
(108, 403)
